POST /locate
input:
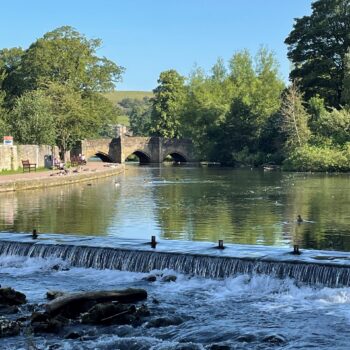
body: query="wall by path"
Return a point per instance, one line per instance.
(50, 181)
(11, 156)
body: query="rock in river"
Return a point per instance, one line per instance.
(9, 296)
(53, 294)
(9, 328)
(169, 278)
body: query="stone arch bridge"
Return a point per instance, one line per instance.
(147, 149)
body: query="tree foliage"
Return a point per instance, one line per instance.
(167, 104)
(346, 82)
(53, 90)
(140, 117)
(334, 126)
(31, 119)
(255, 100)
(317, 46)
(294, 121)
(64, 56)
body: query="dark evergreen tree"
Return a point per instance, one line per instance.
(317, 46)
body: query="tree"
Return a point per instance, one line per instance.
(317, 46)
(104, 114)
(66, 57)
(346, 81)
(72, 122)
(2, 109)
(31, 120)
(10, 77)
(335, 126)
(56, 84)
(294, 121)
(255, 100)
(140, 117)
(207, 101)
(167, 105)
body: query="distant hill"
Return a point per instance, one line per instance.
(117, 96)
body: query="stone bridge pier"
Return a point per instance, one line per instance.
(147, 149)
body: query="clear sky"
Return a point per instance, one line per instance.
(148, 37)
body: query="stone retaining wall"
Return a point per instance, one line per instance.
(50, 181)
(11, 156)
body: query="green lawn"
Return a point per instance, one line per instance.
(20, 171)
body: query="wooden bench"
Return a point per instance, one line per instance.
(28, 166)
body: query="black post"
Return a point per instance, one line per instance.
(34, 234)
(153, 242)
(221, 244)
(296, 249)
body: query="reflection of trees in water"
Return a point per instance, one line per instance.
(78, 209)
(257, 208)
(215, 208)
(239, 206)
(323, 200)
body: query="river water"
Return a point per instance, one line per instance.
(193, 203)
(187, 203)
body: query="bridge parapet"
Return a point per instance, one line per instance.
(148, 149)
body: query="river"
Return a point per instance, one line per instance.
(247, 311)
(193, 203)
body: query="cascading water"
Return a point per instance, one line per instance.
(205, 265)
(227, 298)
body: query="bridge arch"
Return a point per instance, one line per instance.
(104, 157)
(147, 149)
(177, 157)
(143, 157)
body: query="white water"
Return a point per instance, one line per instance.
(239, 312)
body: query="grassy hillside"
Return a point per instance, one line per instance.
(117, 96)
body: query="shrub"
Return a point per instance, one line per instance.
(314, 158)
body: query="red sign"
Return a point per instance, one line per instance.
(8, 140)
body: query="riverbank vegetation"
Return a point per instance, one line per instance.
(241, 112)
(51, 93)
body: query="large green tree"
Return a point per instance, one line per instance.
(72, 122)
(140, 116)
(10, 77)
(65, 56)
(31, 120)
(167, 104)
(61, 77)
(255, 100)
(207, 101)
(317, 46)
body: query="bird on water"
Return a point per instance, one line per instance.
(299, 219)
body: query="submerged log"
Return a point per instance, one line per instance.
(75, 303)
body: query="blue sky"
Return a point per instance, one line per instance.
(148, 37)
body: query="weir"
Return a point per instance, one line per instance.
(195, 258)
